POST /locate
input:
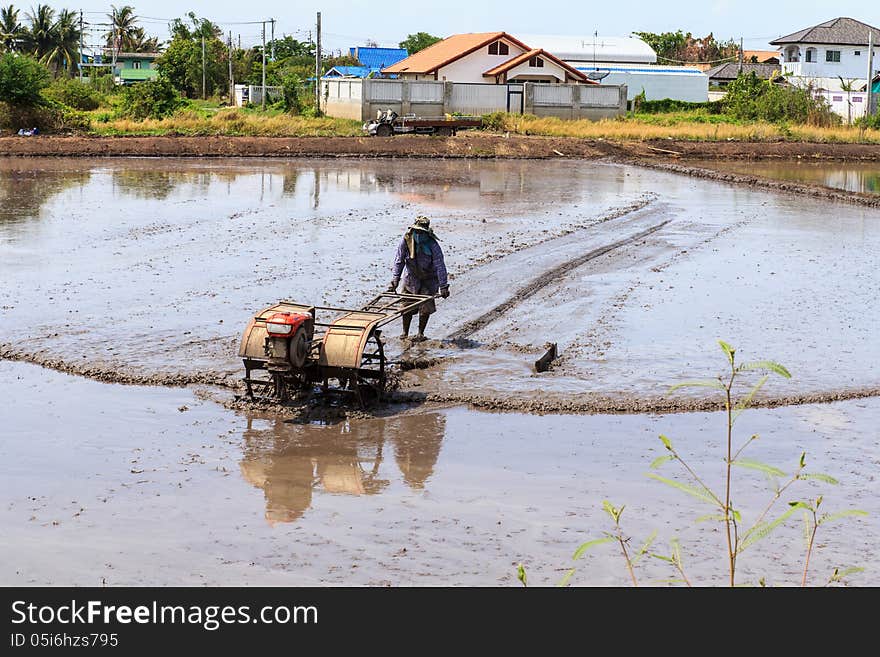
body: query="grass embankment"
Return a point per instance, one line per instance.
(690, 126)
(228, 122)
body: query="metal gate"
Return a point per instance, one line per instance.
(515, 99)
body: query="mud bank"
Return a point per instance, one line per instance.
(472, 145)
(758, 182)
(464, 145)
(309, 409)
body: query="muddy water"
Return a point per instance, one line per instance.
(849, 176)
(152, 485)
(147, 270)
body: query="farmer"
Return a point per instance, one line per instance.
(419, 253)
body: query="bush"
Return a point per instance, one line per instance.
(48, 117)
(496, 121)
(669, 105)
(73, 93)
(154, 99)
(870, 121)
(751, 98)
(22, 78)
(292, 90)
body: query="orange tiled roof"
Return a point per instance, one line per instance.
(450, 49)
(762, 55)
(516, 61)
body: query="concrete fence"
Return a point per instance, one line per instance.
(362, 99)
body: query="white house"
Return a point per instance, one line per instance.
(629, 61)
(485, 57)
(823, 54)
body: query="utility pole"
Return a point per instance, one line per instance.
(203, 68)
(318, 67)
(231, 79)
(263, 89)
(870, 107)
(80, 46)
(113, 67)
(273, 38)
(741, 54)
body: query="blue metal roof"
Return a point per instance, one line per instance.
(350, 72)
(379, 57)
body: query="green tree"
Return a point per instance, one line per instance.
(39, 37)
(63, 54)
(153, 99)
(181, 63)
(290, 47)
(22, 78)
(10, 29)
(123, 22)
(196, 29)
(418, 41)
(678, 47)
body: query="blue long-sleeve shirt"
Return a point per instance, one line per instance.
(426, 270)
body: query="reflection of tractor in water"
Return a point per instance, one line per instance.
(290, 462)
(388, 123)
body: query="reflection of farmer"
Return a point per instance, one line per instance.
(419, 252)
(417, 440)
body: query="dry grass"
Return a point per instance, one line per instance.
(680, 125)
(232, 122)
(642, 129)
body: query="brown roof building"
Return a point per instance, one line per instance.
(493, 57)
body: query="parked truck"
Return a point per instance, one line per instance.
(388, 123)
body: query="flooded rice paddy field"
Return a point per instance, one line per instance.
(145, 271)
(153, 485)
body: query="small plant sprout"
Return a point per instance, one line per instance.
(741, 534)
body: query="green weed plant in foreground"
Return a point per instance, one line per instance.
(741, 533)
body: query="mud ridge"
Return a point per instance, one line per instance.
(544, 280)
(107, 374)
(591, 404)
(800, 189)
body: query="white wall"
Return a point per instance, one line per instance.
(550, 69)
(850, 106)
(470, 68)
(665, 82)
(850, 66)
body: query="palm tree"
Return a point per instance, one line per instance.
(64, 53)
(38, 39)
(140, 42)
(123, 30)
(10, 29)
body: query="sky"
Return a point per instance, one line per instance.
(348, 23)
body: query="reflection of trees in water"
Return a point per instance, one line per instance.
(159, 184)
(24, 192)
(288, 461)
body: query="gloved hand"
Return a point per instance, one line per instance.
(392, 287)
(444, 291)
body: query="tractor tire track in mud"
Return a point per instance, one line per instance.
(544, 280)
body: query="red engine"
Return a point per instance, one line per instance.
(285, 325)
